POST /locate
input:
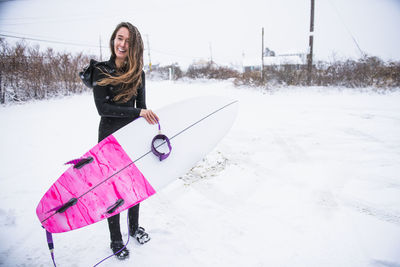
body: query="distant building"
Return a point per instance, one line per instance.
(276, 62)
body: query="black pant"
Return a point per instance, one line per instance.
(107, 127)
(114, 226)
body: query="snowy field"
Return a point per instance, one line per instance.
(306, 177)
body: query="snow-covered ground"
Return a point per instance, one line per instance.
(306, 177)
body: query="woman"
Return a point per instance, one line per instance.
(119, 95)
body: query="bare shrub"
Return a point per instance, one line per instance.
(28, 73)
(211, 71)
(365, 72)
(252, 78)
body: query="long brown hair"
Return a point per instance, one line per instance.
(129, 76)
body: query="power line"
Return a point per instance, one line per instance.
(48, 41)
(56, 20)
(88, 45)
(40, 38)
(41, 18)
(69, 19)
(22, 34)
(347, 28)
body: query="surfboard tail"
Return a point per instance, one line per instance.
(108, 185)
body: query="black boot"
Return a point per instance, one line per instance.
(119, 250)
(140, 235)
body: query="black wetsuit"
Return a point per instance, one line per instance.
(113, 117)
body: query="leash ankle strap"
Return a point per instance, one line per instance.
(162, 156)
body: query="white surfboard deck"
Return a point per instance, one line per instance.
(194, 126)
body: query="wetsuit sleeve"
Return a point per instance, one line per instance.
(104, 106)
(141, 95)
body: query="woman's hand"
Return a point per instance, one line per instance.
(149, 115)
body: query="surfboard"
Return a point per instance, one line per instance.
(121, 170)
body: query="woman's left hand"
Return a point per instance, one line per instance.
(149, 115)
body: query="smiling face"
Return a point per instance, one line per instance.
(121, 44)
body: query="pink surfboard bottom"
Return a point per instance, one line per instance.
(109, 158)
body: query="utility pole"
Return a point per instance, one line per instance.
(262, 55)
(148, 50)
(243, 55)
(101, 55)
(2, 93)
(311, 41)
(211, 57)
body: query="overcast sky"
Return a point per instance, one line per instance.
(229, 30)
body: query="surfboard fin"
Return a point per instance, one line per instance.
(117, 204)
(67, 205)
(79, 163)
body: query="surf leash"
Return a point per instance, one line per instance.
(50, 243)
(129, 234)
(162, 156)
